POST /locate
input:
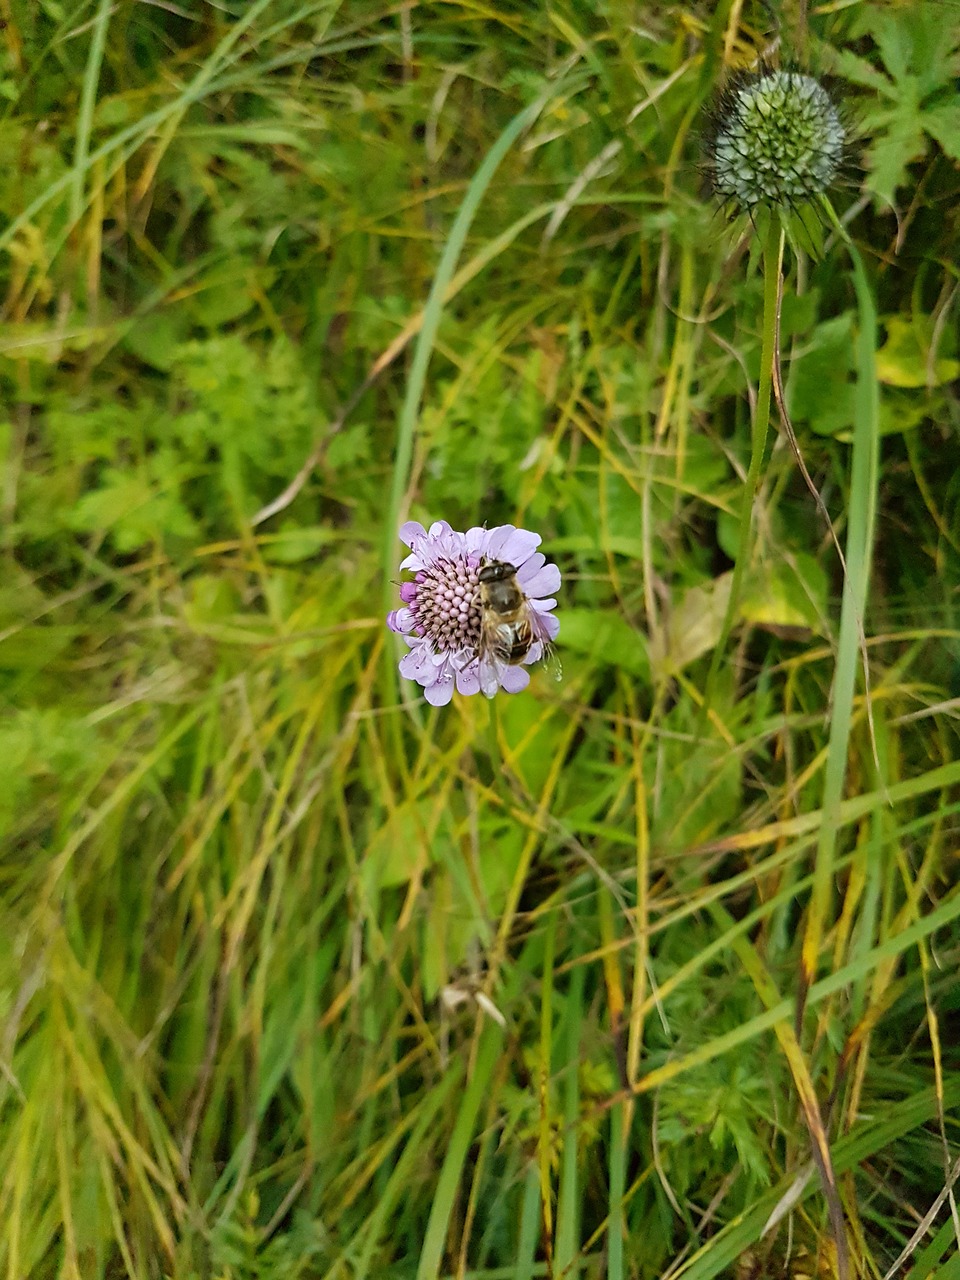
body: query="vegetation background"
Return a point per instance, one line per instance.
(262, 910)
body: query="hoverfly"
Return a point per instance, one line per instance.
(510, 627)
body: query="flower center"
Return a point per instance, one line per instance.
(446, 608)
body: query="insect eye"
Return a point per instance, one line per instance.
(496, 571)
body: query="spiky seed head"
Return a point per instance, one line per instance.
(777, 139)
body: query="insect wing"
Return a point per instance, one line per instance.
(543, 625)
(546, 649)
(551, 660)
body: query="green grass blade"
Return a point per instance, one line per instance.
(399, 1181)
(617, 1166)
(862, 510)
(738, 1236)
(772, 267)
(529, 1226)
(460, 1140)
(433, 311)
(140, 130)
(88, 97)
(943, 915)
(568, 1200)
(929, 1258)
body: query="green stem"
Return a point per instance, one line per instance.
(493, 738)
(772, 265)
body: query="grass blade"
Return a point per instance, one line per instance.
(529, 1226)
(88, 97)
(456, 1155)
(432, 313)
(863, 501)
(568, 1201)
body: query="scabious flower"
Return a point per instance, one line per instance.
(440, 614)
(776, 138)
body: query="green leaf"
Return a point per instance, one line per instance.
(902, 411)
(406, 841)
(921, 53)
(788, 593)
(296, 543)
(820, 392)
(904, 359)
(605, 637)
(692, 628)
(349, 446)
(154, 339)
(133, 509)
(219, 304)
(943, 123)
(893, 150)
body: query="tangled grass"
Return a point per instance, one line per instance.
(302, 977)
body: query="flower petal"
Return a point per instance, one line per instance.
(411, 532)
(403, 620)
(443, 543)
(474, 541)
(514, 679)
(440, 693)
(417, 664)
(519, 546)
(461, 658)
(546, 625)
(542, 582)
(496, 538)
(468, 680)
(533, 654)
(488, 672)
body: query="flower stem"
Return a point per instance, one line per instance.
(493, 739)
(772, 266)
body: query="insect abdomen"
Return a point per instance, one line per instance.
(513, 642)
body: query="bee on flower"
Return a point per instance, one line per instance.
(478, 611)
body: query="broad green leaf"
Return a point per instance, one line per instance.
(606, 637)
(156, 337)
(787, 593)
(904, 359)
(920, 51)
(403, 844)
(692, 627)
(820, 392)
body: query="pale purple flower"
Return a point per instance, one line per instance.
(440, 614)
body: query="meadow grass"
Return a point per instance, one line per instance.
(648, 973)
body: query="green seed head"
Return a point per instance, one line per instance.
(777, 140)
